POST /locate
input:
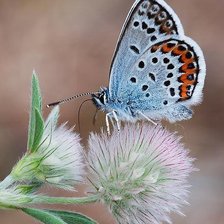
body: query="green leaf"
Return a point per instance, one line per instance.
(36, 102)
(39, 129)
(58, 217)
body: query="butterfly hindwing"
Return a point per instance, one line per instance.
(167, 78)
(148, 22)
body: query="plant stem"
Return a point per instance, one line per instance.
(66, 200)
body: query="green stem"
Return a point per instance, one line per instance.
(66, 200)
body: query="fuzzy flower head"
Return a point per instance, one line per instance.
(58, 160)
(140, 173)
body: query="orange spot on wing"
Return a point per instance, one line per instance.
(155, 48)
(184, 92)
(166, 48)
(165, 29)
(184, 79)
(176, 51)
(184, 58)
(187, 70)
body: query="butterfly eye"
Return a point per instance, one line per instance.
(154, 9)
(162, 16)
(101, 98)
(169, 23)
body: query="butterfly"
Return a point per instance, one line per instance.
(156, 72)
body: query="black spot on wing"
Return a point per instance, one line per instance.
(152, 77)
(133, 80)
(135, 49)
(167, 83)
(155, 60)
(150, 30)
(145, 87)
(136, 24)
(170, 75)
(166, 60)
(172, 91)
(153, 38)
(165, 102)
(170, 66)
(141, 64)
(144, 26)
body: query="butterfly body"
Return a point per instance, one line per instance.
(130, 109)
(123, 109)
(157, 72)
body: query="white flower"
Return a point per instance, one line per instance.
(140, 173)
(58, 159)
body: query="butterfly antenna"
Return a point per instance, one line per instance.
(69, 99)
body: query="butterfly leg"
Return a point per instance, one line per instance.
(110, 116)
(116, 119)
(108, 123)
(147, 118)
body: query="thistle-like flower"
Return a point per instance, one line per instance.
(140, 173)
(58, 159)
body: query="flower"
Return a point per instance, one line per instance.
(58, 159)
(140, 173)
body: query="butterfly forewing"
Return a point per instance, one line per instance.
(148, 22)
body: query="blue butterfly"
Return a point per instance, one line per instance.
(156, 72)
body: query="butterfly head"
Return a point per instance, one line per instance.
(101, 98)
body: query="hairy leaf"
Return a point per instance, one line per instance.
(58, 217)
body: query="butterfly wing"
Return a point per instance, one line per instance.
(167, 78)
(148, 22)
(157, 69)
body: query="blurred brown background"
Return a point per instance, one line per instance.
(70, 45)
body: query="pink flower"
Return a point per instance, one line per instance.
(140, 172)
